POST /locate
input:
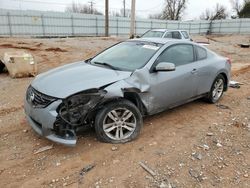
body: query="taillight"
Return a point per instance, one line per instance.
(229, 61)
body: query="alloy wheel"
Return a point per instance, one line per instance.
(119, 124)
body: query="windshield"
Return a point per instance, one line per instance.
(152, 34)
(127, 56)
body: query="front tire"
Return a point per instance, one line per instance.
(217, 89)
(1, 66)
(118, 122)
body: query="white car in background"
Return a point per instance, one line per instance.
(165, 33)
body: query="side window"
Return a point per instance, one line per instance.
(185, 34)
(179, 54)
(176, 35)
(168, 35)
(201, 53)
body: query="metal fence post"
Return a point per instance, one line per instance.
(200, 28)
(72, 25)
(135, 27)
(211, 27)
(240, 26)
(43, 27)
(117, 27)
(9, 24)
(96, 26)
(151, 24)
(220, 26)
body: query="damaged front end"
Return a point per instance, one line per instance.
(75, 113)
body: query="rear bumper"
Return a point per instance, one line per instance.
(42, 122)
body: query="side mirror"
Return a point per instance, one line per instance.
(137, 36)
(165, 66)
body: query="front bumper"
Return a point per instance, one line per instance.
(42, 121)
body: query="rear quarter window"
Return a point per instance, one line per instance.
(185, 34)
(201, 53)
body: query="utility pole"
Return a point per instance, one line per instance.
(91, 7)
(132, 22)
(124, 8)
(106, 18)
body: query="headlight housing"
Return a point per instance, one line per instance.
(75, 108)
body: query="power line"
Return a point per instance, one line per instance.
(151, 10)
(91, 6)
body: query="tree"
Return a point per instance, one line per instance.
(174, 9)
(236, 6)
(155, 16)
(219, 13)
(242, 10)
(245, 11)
(121, 13)
(82, 8)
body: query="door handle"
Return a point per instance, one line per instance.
(194, 71)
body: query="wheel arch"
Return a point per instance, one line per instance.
(226, 80)
(131, 96)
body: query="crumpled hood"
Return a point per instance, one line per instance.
(69, 79)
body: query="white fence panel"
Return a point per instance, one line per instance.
(38, 23)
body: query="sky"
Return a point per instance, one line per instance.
(143, 7)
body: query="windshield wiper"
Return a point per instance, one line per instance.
(107, 65)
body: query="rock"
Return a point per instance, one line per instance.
(245, 175)
(160, 152)
(218, 145)
(111, 181)
(43, 149)
(181, 165)
(221, 106)
(115, 161)
(197, 156)
(195, 174)
(206, 147)
(65, 184)
(210, 134)
(165, 185)
(58, 164)
(153, 144)
(25, 131)
(114, 148)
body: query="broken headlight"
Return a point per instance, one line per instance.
(75, 108)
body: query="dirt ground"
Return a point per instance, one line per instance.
(195, 145)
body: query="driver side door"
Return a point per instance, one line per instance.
(172, 88)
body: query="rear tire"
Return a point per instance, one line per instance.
(118, 122)
(217, 89)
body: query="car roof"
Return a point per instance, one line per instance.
(157, 40)
(161, 30)
(164, 30)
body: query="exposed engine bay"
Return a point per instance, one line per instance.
(75, 112)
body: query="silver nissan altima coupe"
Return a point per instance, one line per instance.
(115, 89)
